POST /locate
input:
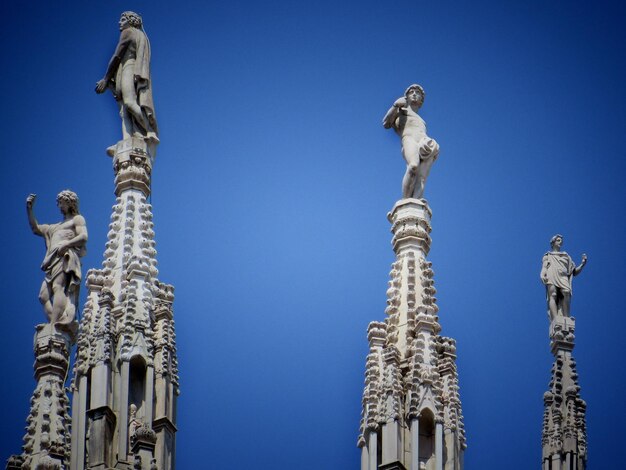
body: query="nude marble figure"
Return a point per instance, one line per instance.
(419, 150)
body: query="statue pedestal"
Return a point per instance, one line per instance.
(410, 225)
(47, 439)
(143, 445)
(562, 334)
(132, 163)
(137, 144)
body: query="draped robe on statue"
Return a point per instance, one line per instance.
(557, 270)
(133, 51)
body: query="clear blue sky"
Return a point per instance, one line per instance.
(271, 189)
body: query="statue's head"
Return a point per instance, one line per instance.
(415, 94)
(133, 409)
(130, 18)
(556, 241)
(68, 202)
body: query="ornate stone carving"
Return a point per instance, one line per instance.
(562, 334)
(392, 384)
(47, 438)
(451, 400)
(372, 395)
(410, 225)
(419, 150)
(144, 433)
(127, 339)
(564, 435)
(410, 370)
(564, 427)
(132, 165)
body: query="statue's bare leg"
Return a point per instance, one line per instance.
(59, 297)
(45, 299)
(552, 301)
(566, 298)
(410, 152)
(129, 97)
(422, 173)
(127, 123)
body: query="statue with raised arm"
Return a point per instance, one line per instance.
(419, 150)
(65, 245)
(128, 78)
(557, 271)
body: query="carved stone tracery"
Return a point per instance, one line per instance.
(410, 369)
(127, 338)
(47, 438)
(564, 431)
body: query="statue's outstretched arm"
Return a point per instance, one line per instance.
(34, 226)
(580, 267)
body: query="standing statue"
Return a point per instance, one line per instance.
(128, 78)
(557, 270)
(419, 150)
(65, 245)
(133, 424)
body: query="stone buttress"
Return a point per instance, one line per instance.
(564, 433)
(412, 415)
(125, 380)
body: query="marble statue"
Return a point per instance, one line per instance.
(133, 423)
(557, 271)
(419, 150)
(128, 78)
(65, 244)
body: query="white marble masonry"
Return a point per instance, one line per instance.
(411, 382)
